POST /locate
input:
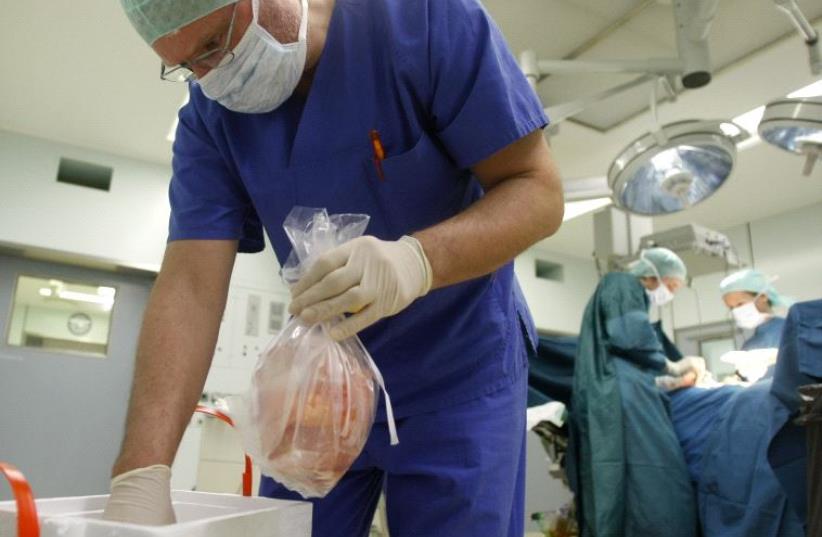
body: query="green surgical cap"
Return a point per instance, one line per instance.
(155, 18)
(663, 260)
(755, 282)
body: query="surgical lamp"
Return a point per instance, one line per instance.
(674, 167)
(795, 125)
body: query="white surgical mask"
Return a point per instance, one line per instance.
(263, 73)
(748, 316)
(661, 295)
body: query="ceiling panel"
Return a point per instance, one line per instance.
(741, 28)
(85, 78)
(744, 26)
(552, 28)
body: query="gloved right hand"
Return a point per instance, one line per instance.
(141, 496)
(695, 364)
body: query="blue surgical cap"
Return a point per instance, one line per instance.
(755, 282)
(155, 18)
(666, 263)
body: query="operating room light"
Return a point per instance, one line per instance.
(674, 168)
(795, 125)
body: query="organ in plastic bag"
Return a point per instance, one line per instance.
(311, 404)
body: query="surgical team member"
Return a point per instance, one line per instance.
(416, 113)
(751, 297)
(631, 475)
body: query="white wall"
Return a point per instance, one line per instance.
(557, 307)
(127, 224)
(788, 245)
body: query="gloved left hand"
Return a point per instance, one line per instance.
(368, 277)
(668, 383)
(695, 364)
(141, 496)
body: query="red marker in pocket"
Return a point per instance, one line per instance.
(379, 152)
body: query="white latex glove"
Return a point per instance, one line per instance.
(695, 364)
(669, 383)
(366, 276)
(553, 411)
(141, 496)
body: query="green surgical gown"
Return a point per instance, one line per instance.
(631, 476)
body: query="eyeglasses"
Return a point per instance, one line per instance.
(212, 59)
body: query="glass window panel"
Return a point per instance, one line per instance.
(60, 316)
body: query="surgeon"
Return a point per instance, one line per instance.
(631, 476)
(415, 113)
(751, 297)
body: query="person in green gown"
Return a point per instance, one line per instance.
(629, 471)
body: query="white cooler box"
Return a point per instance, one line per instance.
(199, 514)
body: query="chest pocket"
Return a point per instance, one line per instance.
(421, 187)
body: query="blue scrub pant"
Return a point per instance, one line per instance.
(457, 472)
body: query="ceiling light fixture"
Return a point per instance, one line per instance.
(795, 125)
(674, 168)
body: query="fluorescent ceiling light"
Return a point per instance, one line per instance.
(811, 90)
(573, 209)
(750, 119)
(106, 291)
(104, 296)
(86, 297)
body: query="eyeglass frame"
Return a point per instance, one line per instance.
(164, 73)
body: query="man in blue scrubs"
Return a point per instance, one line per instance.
(414, 112)
(751, 297)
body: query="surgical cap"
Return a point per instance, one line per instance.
(155, 18)
(753, 281)
(663, 260)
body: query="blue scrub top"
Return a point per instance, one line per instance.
(436, 79)
(766, 336)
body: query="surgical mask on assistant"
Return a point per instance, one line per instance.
(747, 316)
(264, 72)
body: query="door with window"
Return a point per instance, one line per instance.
(69, 337)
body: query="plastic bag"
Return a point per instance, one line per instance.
(312, 400)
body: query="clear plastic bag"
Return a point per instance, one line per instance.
(312, 400)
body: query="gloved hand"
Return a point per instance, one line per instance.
(668, 383)
(141, 496)
(696, 364)
(366, 276)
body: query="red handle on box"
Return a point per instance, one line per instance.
(247, 474)
(27, 523)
